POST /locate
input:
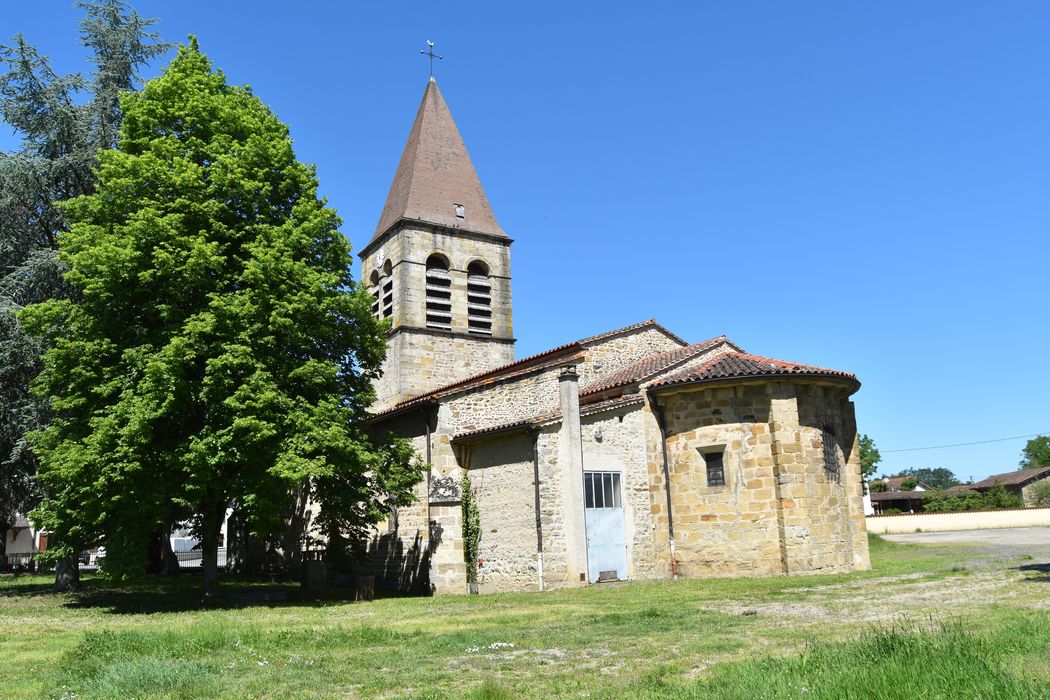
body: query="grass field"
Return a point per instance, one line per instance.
(927, 621)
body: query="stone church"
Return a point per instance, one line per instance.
(632, 454)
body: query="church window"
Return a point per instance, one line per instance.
(479, 299)
(374, 288)
(439, 293)
(387, 301)
(831, 452)
(460, 210)
(716, 473)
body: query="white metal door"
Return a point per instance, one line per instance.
(606, 541)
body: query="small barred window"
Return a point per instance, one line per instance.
(831, 452)
(716, 473)
(439, 293)
(479, 299)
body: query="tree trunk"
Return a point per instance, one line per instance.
(3, 545)
(293, 539)
(169, 562)
(211, 523)
(67, 574)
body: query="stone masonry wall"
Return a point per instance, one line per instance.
(780, 510)
(501, 472)
(421, 359)
(720, 530)
(418, 361)
(610, 354)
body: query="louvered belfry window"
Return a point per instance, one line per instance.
(439, 293)
(387, 297)
(374, 290)
(479, 299)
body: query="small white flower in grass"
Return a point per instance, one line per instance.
(264, 662)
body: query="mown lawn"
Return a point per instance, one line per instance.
(927, 621)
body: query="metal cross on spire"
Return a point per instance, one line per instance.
(430, 52)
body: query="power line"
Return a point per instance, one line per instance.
(964, 444)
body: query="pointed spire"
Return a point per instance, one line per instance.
(435, 180)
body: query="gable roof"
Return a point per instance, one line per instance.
(560, 353)
(436, 173)
(1015, 478)
(651, 365)
(737, 365)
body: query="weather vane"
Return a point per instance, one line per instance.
(430, 52)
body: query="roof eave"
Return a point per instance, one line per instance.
(765, 376)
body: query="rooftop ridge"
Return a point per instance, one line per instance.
(652, 365)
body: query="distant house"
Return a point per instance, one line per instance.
(893, 483)
(1019, 482)
(903, 501)
(23, 541)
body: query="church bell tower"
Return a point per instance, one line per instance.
(438, 266)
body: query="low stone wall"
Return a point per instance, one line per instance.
(967, 520)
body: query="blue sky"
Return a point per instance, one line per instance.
(858, 185)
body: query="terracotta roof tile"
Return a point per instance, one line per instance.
(735, 365)
(651, 365)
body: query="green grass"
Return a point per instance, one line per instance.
(741, 637)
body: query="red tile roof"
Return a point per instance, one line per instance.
(736, 365)
(651, 365)
(560, 352)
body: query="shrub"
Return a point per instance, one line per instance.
(995, 497)
(878, 487)
(909, 484)
(1040, 493)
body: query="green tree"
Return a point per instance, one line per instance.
(63, 121)
(221, 353)
(869, 457)
(939, 478)
(1036, 453)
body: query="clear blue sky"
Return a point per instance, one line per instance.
(859, 185)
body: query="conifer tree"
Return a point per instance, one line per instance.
(61, 133)
(220, 352)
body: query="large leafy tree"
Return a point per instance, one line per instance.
(63, 121)
(220, 352)
(1036, 453)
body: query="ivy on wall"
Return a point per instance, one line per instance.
(471, 528)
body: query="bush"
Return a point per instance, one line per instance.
(1040, 493)
(909, 484)
(878, 487)
(995, 497)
